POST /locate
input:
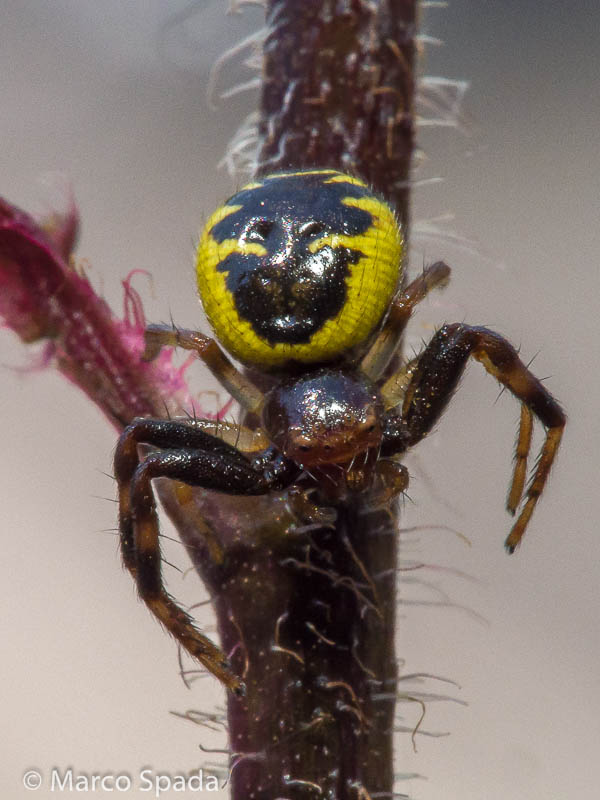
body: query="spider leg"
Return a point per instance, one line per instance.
(237, 384)
(394, 388)
(199, 460)
(233, 433)
(157, 433)
(434, 379)
(521, 455)
(391, 479)
(307, 511)
(385, 345)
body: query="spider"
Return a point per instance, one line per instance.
(299, 274)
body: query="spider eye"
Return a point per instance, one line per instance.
(304, 447)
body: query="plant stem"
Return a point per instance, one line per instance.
(311, 619)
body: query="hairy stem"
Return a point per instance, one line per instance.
(311, 619)
(338, 90)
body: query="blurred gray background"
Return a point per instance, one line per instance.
(113, 95)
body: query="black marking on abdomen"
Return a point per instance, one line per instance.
(287, 303)
(288, 294)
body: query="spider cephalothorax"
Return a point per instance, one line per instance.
(300, 275)
(325, 416)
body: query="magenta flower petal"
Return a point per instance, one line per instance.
(42, 296)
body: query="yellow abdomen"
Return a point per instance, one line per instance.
(299, 268)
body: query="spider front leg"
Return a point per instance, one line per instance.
(433, 378)
(385, 345)
(198, 460)
(238, 386)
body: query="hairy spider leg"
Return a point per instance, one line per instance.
(385, 345)
(238, 436)
(200, 460)
(394, 389)
(233, 433)
(521, 455)
(392, 480)
(238, 386)
(434, 380)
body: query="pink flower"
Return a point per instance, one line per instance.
(45, 296)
